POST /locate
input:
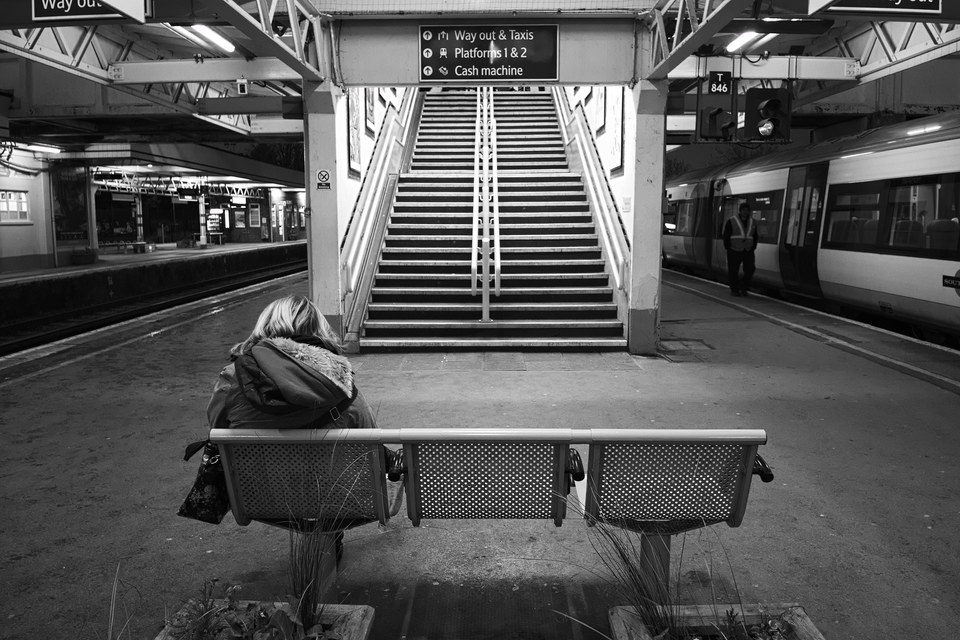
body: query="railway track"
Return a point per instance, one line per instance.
(33, 332)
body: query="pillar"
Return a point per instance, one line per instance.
(202, 206)
(92, 236)
(320, 102)
(643, 328)
(138, 215)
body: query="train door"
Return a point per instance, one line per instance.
(800, 231)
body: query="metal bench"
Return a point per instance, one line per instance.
(657, 481)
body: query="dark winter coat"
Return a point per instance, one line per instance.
(281, 383)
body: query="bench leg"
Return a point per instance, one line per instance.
(655, 563)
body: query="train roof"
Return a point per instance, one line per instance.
(938, 128)
(945, 126)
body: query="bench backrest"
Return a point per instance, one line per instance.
(669, 487)
(280, 479)
(655, 480)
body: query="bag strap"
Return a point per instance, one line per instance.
(334, 414)
(193, 447)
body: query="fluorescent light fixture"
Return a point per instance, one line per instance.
(213, 37)
(927, 129)
(764, 40)
(192, 37)
(39, 148)
(856, 155)
(742, 40)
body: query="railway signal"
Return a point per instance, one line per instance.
(767, 115)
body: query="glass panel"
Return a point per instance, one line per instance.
(942, 233)
(853, 215)
(766, 214)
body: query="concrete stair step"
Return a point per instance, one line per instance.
(492, 344)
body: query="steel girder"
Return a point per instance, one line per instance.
(87, 51)
(269, 29)
(704, 18)
(883, 48)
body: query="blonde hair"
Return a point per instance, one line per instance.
(291, 317)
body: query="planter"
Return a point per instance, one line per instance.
(349, 622)
(624, 624)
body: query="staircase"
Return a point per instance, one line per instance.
(555, 292)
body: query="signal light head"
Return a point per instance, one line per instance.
(767, 127)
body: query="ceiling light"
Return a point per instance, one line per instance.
(927, 129)
(39, 148)
(741, 40)
(764, 40)
(856, 155)
(191, 36)
(212, 36)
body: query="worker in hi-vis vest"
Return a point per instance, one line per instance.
(740, 240)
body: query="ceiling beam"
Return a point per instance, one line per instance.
(772, 67)
(882, 49)
(819, 5)
(669, 51)
(201, 70)
(86, 51)
(259, 28)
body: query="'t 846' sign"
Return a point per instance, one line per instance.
(720, 83)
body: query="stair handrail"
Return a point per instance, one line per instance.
(496, 195)
(574, 125)
(363, 237)
(485, 208)
(475, 241)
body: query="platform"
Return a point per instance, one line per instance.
(859, 526)
(117, 260)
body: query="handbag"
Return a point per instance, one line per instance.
(208, 500)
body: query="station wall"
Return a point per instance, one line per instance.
(26, 236)
(611, 114)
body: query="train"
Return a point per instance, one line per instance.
(868, 222)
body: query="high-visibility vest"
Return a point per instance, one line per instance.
(742, 241)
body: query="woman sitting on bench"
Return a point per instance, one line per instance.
(289, 374)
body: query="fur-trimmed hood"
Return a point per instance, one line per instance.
(279, 375)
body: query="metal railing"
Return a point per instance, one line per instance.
(573, 124)
(486, 202)
(360, 246)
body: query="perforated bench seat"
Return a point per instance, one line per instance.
(657, 481)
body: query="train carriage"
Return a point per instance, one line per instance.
(871, 220)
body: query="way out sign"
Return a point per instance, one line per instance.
(488, 53)
(86, 9)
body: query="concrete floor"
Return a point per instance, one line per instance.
(860, 525)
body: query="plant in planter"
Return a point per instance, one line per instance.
(654, 612)
(229, 618)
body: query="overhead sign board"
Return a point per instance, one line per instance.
(78, 10)
(925, 7)
(488, 53)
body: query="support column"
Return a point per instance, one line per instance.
(202, 206)
(138, 215)
(643, 329)
(93, 241)
(320, 102)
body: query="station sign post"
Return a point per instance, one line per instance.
(488, 53)
(80, 10)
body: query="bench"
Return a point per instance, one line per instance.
(660, 482)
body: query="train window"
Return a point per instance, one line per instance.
(853, 215)
(766, 207)
(908, 216)
(679, 219)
